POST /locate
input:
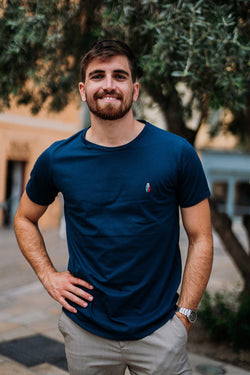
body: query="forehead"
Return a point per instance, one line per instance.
(109, 64)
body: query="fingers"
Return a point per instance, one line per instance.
(64, 287)
(184, 321)
(76, 281)
(76, 292)
(72, 297)
(81, 293)
(67, 306)
(81, 282)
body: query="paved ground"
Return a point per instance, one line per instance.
(28, 316)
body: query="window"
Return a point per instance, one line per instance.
(220, 191)
(14, 189)
(242, 198)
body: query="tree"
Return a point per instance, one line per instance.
(41, 43)
(200, 46)
(196, 47)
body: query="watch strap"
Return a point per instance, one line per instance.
(190, 314)
(184, 311)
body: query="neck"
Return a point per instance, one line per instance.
(114, 133)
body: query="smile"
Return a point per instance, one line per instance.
(109, 98)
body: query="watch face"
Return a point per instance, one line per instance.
(192, 317)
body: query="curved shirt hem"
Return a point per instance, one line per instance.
(117, 336)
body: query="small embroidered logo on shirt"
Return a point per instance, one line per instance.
(148, 187)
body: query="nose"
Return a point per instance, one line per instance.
(109, 83)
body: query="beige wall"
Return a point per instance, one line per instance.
(24, 138)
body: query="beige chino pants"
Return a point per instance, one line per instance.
(161, 353)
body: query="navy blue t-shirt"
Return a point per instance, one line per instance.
(122, 221)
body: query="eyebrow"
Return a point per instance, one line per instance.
(97, 71)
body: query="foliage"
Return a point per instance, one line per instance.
(226, 316)
(193, 56)
(200, 45)
(40, 49)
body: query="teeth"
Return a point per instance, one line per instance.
(109, 98)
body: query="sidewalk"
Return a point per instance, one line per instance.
(30, 342)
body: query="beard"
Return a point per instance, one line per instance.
(109, 111)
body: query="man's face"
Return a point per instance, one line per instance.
(108, 88)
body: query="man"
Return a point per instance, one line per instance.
(123, 182)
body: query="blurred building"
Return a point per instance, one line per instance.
(22, 139)
(228, 174)
(227, 169)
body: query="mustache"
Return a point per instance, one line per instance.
(103, 92)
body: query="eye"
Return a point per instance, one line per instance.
(120, 77)
(97, 77)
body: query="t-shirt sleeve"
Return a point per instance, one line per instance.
(193, 186)
(41, 188)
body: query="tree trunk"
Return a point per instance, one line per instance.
(173, 111)
(223, 226)
(246, 223)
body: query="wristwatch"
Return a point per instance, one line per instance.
(190, 314)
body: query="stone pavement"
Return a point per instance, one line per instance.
(30, 342)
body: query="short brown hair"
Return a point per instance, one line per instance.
(105, 49)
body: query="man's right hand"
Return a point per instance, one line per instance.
(63, 286)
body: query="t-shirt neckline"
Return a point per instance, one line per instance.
(115, 148)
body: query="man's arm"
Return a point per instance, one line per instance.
(197, 224)
(60, 285)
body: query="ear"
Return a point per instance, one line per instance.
(136, 91)
(82, 91)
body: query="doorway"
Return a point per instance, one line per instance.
(14, 189)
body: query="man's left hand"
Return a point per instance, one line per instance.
(184, 320)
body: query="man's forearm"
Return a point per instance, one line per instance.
(62, 286)
(196, 273)
(32, 245)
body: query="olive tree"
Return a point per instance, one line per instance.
(200, 47)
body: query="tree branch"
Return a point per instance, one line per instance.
(246, 223)
(223, 226)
